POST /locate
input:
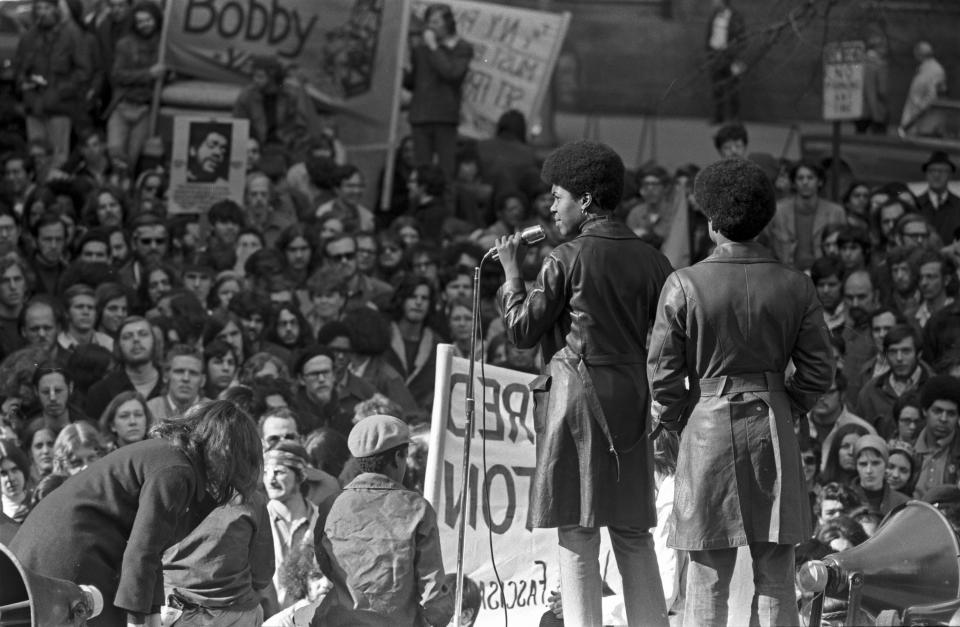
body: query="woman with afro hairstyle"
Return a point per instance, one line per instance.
(725, 330)
(589, 310)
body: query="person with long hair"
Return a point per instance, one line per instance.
(220, 367)
(113, 305)
(126, 420)
(111, 527)
(14, 473)
(413, 342)
(106, 207)
(840, 465)
(37, 443)
(590, 320)
(228, 327)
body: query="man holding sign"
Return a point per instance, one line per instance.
(590, 318)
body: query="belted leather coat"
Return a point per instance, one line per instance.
(725, 332)
(589, 310)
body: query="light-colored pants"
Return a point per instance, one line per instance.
(127, 129)
(581, 586)
(54, 129)
(708, 586)
(209, 617)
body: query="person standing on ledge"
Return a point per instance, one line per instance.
(590, 318)
(725, 330)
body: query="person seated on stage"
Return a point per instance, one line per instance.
(871, 454)
(398, 575)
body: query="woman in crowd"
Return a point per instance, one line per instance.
(125, 420)
(14, 472)
(460, 322)
(871, 455)
(159, 279)
(412, 343)
(229, 328)
(105, 207)
(901, 467)
(113, 305)
(141, 499)
(219, 366)
(37, 443)
(908, 416)
(856, 202)
(224, 289)
(407, 230)
(77, 446)
(841, 465)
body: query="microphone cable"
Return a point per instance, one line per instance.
(485, 488)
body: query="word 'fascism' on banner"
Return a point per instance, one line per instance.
(526, 558)
(208, 164)
(514, 53)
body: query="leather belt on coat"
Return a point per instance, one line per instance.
(735, 384)
(590, 393)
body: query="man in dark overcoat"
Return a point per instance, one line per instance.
(725, 331)
(589, 310)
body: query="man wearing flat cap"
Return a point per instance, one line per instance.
(292, 517)
(378, 541)
(937, 204)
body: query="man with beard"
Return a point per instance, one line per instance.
(208, 153)
(50, 68)
(151, 242)
(267, 211)
(903, 280)
(183, 374)
(907, 373)
(316, 398)
(350, 389)
(136, 370)
(13, 291)
(340, 254)
(801, 218)
(859, 299)
(292, 517)
(132, 81)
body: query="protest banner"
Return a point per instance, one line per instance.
(526, 559)
(208, 162)
(515, 51)
(349, 52)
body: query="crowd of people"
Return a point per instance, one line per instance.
(311, 311)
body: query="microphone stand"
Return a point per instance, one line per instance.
(467, 435)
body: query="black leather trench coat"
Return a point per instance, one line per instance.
(725, 331)
(589, 310)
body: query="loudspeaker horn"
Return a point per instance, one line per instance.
(912, 560)
(27, 598)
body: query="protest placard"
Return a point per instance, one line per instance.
(350, 53)
(208, 163)
(515, 51)
(526, 559)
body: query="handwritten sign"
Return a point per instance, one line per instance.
(515, 51)
(843, 76)
(208, 164)
(526, 558)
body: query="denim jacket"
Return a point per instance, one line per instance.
(378, 543)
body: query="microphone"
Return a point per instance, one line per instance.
(530, 235)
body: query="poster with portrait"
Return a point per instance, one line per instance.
(209, 163)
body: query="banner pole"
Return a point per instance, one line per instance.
(161, 59)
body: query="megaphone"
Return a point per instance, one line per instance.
(27, 598)
(912, 560)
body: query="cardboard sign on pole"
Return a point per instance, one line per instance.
(209, 163)
(843, 72)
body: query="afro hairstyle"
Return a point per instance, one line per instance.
(729, 133)
(939, 388)
(737, 198)
(586, 167)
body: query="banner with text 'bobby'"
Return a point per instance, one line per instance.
(514, 53)
(348, 51)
